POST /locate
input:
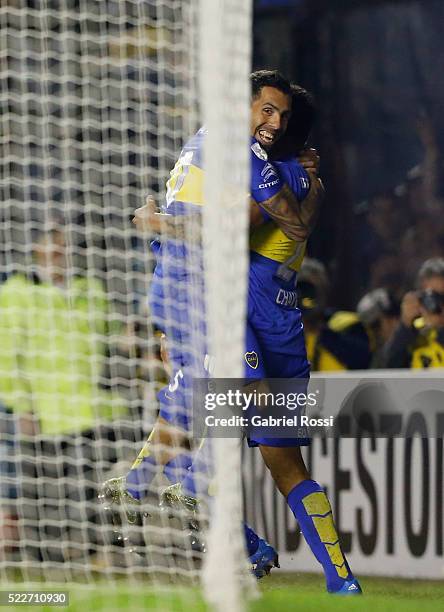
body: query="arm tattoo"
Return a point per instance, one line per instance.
(296, 219)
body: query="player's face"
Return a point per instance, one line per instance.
(270, 113)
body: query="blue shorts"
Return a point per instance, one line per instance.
(274, 347)
(172, 292)
(275, 335)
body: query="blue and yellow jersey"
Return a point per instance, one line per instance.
(270, 241)
(186, 183)
(185, 194)
(178, 276)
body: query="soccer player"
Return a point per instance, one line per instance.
(168, 449)
(275, 340)
(170, 287)
(277, 329)
(275, 345)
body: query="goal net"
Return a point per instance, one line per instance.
(103, 103)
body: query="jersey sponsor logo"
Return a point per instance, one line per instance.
(265, 185)
(268, 172)
(287, 298)
(271, 177)
(252, 359)
(259, 151)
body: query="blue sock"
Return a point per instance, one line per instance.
(198, 476)
(176, 469)
(192, 482)
(140, 476)
(312, 510)
(251, 539)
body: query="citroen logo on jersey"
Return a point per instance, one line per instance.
(268, 172)
(252, 359)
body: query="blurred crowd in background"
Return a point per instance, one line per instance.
(398, 246)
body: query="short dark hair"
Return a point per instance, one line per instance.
(269, 78)
(303, 116)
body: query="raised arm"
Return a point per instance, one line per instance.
(272, 198)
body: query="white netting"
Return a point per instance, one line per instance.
(98, 98)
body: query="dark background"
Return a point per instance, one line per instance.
(375, 68)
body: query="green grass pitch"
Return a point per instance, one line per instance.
(279, 592)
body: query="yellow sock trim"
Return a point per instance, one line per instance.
(145, 452)
(337, 558)
(318, 507)
(316, 503)
(326, 529)
(342, 571)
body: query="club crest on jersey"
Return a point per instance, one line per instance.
(252, 359)
(268, 172)
(259, 151)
